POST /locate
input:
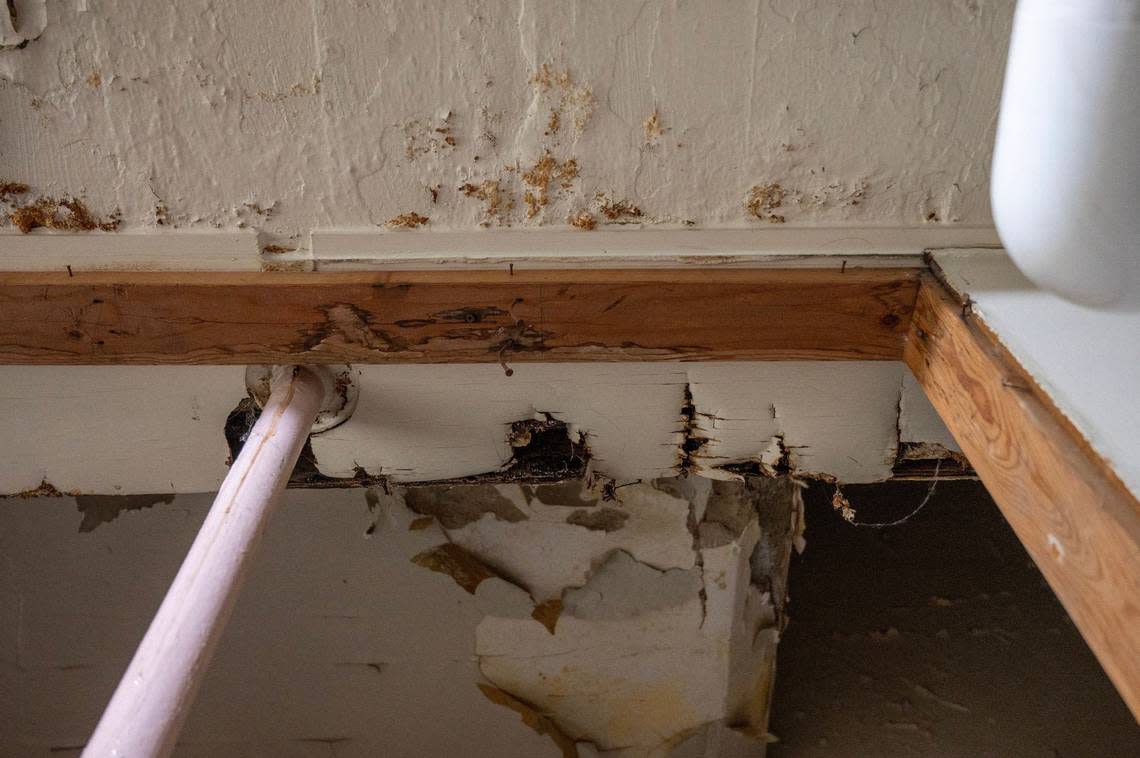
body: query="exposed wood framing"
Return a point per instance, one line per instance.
(454, 316)
(1073, 514)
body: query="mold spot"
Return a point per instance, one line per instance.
(409, 220)
(763, 199)
(101, 509)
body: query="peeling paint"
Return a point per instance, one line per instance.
(631, 653)
(457, 506)
(531, 717)
(467, 570)
(102, 509)
(604, 519)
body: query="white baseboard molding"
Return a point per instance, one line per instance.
(362, 249)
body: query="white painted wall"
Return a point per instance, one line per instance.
(289, 117)
(1088, 361)
(159, 429)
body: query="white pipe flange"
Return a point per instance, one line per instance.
(340, 392)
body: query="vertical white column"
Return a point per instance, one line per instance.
(151, 703)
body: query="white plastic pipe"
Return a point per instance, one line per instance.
(151, 703)
(1065, 187)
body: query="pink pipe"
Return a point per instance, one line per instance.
(154, 696)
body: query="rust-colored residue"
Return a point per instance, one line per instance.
(277, 249)
(94, 79)
(467, 570)
(583, 220)
(573, 99)
(161, 214)
(45, 489)
(409, 220)
(547, 613)
(497, 202)
(617, 211)
(546, 171)
(554, 122)
(653, 128)
(763, 199)
(10, 189)
(68, 214)
(532, 717)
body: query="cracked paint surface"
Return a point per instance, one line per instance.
(636, 640)
(287, 117)
(417, 423)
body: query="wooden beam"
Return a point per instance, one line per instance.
(1078, 521)
(454, 316)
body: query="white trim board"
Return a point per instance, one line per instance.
(140, 251)
(354, 249)
(1087, 361)
(775, 246)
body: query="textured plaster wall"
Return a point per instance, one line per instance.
(285, 116)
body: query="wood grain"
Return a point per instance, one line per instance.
(454, 316)
(1077, 520)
